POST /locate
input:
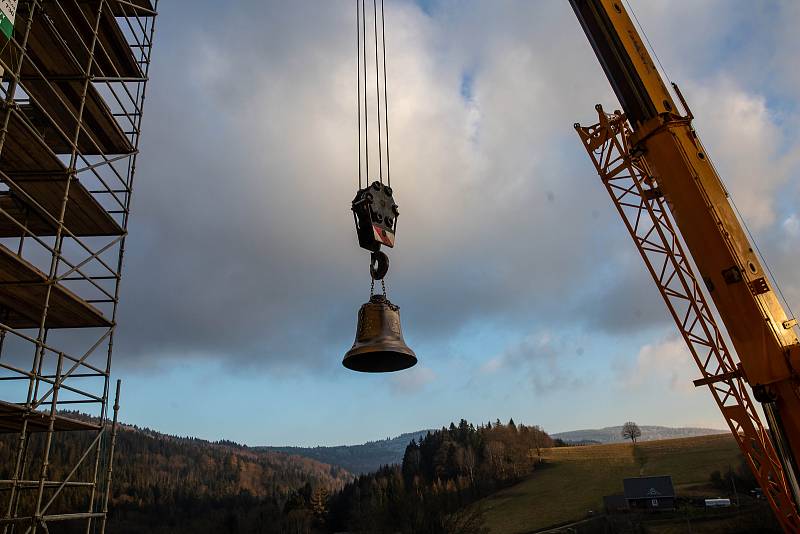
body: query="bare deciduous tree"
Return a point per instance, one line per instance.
(631, 431)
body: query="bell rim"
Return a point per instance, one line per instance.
(407, 357)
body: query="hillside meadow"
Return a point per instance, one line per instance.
(573, 480)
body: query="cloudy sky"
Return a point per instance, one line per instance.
(519, 289)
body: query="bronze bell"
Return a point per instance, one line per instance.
(379, 345)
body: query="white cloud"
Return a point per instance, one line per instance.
(412, 380)
(791, 226)
(745, 142)
(666, 363)
(492, 365)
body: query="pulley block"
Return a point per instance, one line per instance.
(375, 213)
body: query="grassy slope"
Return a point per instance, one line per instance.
(576, 478)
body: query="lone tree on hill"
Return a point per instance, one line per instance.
(631, 431)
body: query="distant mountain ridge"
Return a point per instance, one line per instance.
(357, 459)
(370, 456)
(613, 434)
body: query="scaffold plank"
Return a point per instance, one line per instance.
(101, 133)
(29, 169)
(12, 416)
(24, 150)
(61, 37)
(12, 209)
(113, 55)
(23, 289)
(126, 9)
(84, 216)
(58, 50)
(54, 72)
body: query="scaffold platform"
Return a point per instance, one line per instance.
(37, 200)
(38, 177)
(100, 132)
(12, 417)
(23, 289)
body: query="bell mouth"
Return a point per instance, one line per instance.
(383, 361)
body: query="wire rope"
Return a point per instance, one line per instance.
(385, 97)
(366, 112)
(761, 256)
(358, 86)
(377, 88)
(362, 84)
(647, 40)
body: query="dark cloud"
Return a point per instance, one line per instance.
(241, 246)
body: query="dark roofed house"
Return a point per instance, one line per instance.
(650, 493)
(615, 503)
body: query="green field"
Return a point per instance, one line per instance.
(574, 480)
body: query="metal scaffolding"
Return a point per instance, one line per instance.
(72, 91)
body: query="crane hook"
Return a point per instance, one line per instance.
(378, 265)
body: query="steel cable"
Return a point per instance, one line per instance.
(358, 87)
(366, 111)
(377, 88)
(385, 97)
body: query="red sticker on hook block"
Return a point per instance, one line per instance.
(386, 237)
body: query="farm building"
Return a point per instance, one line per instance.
(615, 503)
(650, 493)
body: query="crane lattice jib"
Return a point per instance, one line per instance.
(662, 142)
(643, 209)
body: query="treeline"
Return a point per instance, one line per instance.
(440, 477)
(168, 484)
(741, 479)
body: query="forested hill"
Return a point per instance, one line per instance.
(203, 465)
(172, 484)
(439, 476)
(613, 434)
(357, 459)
